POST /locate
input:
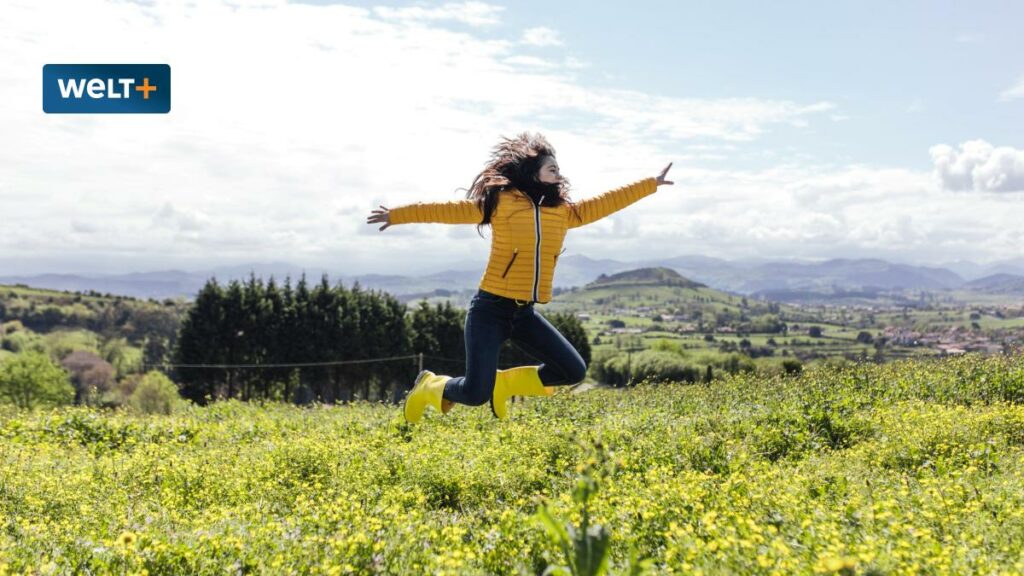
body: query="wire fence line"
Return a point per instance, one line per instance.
(304, 364)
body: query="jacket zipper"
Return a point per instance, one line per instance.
(536, 255)
(514, 254)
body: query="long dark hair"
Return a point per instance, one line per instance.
(514, 163)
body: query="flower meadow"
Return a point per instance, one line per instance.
(912, 467)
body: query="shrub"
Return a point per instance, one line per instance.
(155, 394)
(666, 345)
(658, 366)
(736, 362)
(792, 366)
(30, 379)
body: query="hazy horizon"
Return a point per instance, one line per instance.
(423, 270)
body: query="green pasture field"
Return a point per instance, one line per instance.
(908, 467)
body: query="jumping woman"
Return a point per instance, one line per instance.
(525, 199)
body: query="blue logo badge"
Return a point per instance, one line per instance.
(106, 88)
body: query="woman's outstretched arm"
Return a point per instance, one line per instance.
(593, 209)
(454, 212)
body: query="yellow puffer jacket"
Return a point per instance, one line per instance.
(527, 238)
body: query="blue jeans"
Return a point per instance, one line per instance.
(491, 320)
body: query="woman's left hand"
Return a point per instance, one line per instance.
(661, 177)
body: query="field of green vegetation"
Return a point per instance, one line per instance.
(911, 467)
(707, 327)
(689, 331)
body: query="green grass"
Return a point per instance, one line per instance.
(902, 468)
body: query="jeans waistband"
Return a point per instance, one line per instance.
(515, 301)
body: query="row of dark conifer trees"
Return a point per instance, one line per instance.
(254, 326)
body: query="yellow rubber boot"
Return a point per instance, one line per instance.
(425, 392)
(518, 381)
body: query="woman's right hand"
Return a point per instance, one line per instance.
(661, 177)
(381, 215)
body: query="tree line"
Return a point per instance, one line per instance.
(259, 325)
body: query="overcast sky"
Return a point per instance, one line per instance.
(798, 129)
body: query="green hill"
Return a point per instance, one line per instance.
(644, 277)
(657, 308)
(119, 328)
(664, 290)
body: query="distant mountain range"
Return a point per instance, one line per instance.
(996, 284)
(748, 277)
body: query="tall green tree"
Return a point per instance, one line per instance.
(254, 338)
(346, 343)
(200, 342)
(393, 374)
(274, 381)
(324, 331)
(373, 325)
(300, 332)
(233, 337)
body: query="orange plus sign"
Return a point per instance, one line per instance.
(145, 88)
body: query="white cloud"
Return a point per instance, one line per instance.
(81, 227)
(530, 61)
(184, 220)
(541, 36)
(1015, 91)
(808, 211)
(978, 166)
(471, 13)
